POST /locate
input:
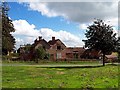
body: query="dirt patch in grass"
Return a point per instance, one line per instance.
(59, 72)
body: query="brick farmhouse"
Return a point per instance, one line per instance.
(57, 50)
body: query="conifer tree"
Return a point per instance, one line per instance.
(8, 41)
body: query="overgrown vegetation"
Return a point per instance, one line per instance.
(40, 54)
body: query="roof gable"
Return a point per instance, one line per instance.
(42, 43)
(53, 42)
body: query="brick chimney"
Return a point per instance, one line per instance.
(35, 41)
(53, 38)
(40, 37)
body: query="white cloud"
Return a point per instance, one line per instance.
(119, 33)
(19, 42)
(113, 21)
(43, 9)
(24, 28)
(81, 12)
(27, 34)
(68, 38)
(65, 0)
(28, 1)
(23, 40)
(83, 26)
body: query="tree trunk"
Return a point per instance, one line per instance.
(103, 59)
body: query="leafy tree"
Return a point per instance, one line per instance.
(39, 53)
(8, 40)
(118, 48)
(27, 48)
(0, 32)
(100, 37)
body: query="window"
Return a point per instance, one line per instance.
(75, 55)
(58, 55)
(58, 47)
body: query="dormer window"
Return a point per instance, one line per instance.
(58, 47)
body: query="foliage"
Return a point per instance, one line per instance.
(39, 53)
(100, 37)
(37, 77)
(118, 48)
(8, 40)
(10, 56)
(5, 57)
(0, 33)
(47, 56)
(14, 54)
(27, 48)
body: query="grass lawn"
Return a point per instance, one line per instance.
(59, 77)
(47, 62)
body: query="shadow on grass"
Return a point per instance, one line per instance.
(112, 64)
(71, 67)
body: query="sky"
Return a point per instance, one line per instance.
(66, 21)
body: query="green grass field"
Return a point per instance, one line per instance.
(47, 62)
(60, 77)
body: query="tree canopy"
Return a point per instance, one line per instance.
(100, 36)
(118, 48)
(39, 54)
(8, 41)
